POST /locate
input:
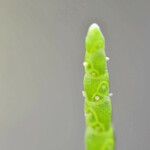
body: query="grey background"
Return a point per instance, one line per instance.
(41, 55)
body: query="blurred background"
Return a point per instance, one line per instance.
(41, 72)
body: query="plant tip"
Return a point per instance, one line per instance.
(93, 26)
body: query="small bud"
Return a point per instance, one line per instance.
(85, 64)
(107, 58)
(83, 93)
(111, 94)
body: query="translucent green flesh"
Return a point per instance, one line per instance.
(98, 110)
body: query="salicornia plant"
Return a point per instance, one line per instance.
(98, 110)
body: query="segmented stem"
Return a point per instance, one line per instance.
(98, 110)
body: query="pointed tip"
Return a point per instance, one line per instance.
(94, 26)
(94, 39)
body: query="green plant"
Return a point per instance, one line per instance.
(98, 110)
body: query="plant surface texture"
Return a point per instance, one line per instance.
(99, 133)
